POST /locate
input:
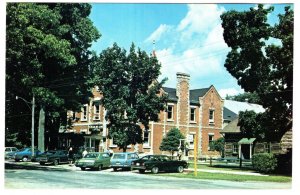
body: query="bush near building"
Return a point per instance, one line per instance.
(264, 162)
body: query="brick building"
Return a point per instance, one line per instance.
(197, 113)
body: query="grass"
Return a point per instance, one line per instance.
(229, 177)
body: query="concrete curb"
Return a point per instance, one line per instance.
(226, 172)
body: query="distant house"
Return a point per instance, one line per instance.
(235, 144)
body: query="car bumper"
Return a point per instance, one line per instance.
(134, 167)
(85, 165)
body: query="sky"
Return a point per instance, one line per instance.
(188, 38)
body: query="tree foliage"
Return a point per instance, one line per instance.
(218, 145)
(260, 67)
(171, 141)
(131, 93)
(245, 97)
(47, 56)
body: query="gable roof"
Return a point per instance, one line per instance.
(194, 94)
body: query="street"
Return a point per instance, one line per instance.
(18, 176)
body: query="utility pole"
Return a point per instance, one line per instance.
(32, 120)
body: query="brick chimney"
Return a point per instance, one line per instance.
(183, 95)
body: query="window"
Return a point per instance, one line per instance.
(170, 112)
(267, 147)
(211, 116)
(146, 138)
(96, 112)
(84, 112)
(235, 148)
(73, 115)
(193, 115)
(191, 139)
(210, 139)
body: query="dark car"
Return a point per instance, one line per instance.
(94, 160)
(54, 157)
(25, 154)
(157, 163)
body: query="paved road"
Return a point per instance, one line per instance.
(18, 176)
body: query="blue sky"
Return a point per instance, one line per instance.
(188, 38)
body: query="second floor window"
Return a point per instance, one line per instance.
(193, 115)
(84, 112)
(96, 112)
(170, 112)
(146, 138)
(211, 116)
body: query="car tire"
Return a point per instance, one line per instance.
(55, 162)
(115, 169)
(25, 159)
(142, 171)
(100, 168)
(82, 168)
(154, 170)
(180, 169)
(42, 163)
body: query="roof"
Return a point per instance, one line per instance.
(246, 141)
(194, 94)
(236, 106)
(228, 114)
(232, 127)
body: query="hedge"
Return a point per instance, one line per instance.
(264, 162)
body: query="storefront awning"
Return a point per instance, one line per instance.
(247, 141)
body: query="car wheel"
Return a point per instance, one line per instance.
(180, 169)
(115, 169)
(154, 170)
(82, 168)
(100, 168)
(55, 162)
(142, 171)
(25, 159)
(42, 163)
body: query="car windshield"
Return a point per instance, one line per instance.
(165, 158)
(119, 156)
(91, 155)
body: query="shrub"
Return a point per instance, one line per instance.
(264, 162)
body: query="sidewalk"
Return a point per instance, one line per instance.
(226, 172)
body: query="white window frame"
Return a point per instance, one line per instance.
(148, 144)
(194, 118)
(96, 114)
(211, 120)
(84, 117)
(172, 112)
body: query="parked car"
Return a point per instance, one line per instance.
(25, 154)
(94, 160)
(122, 160)
(10, 152)
(157, 163)
(54, 157)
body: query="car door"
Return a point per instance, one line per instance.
(63, 156)
(166, 163)
(106, 160)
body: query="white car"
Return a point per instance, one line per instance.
(10, 152)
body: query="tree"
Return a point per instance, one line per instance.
(218, 145)
(47, 48)
(171, 141)
(245, 97)
(266, 69)
(131, 93)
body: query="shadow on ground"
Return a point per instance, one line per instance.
(9, 166)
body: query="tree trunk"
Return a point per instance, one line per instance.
(41, 132)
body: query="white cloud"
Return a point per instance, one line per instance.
(156, 35)
(229, 91)
(195, 46)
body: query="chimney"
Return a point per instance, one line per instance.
(183, 104)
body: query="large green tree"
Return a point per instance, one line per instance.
(131, 93)
(261, 67)
(47, 57)
(245, 97)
